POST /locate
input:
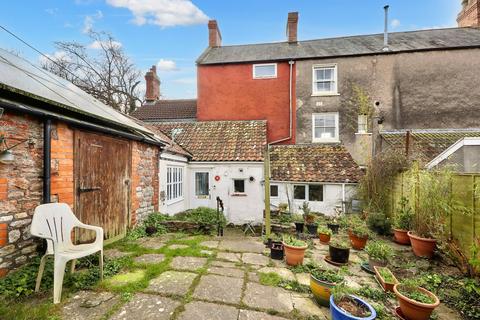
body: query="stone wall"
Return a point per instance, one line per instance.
(144, 181)
(20, 189)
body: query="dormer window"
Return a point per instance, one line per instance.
(265, 71)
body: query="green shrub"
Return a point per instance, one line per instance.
(291, 241)
(379, 223)
(327, 275)
(201, 215)
(404, 215)
(379, 250)
(324, 230)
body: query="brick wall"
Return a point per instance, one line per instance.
(62, 188)
(20, 190)
(470, 15)
(144, 197)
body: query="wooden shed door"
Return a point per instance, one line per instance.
(102, 169)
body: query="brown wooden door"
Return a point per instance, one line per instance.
(102, 169)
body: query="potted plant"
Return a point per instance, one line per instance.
(358, 234)
(294, 250)
(339, 251)
(403, 222)
(299, 223)
(378, 253)
(324, 234)
(309, 218)
(321, 283)
(344, 305)
(385, 277)
(416, 303)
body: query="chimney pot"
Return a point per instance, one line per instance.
(214, 35)
(292, 27)
(152, 92)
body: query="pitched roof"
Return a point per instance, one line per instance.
(435, 39)
(313, 163)
(220, 140)
(167, 110)
(426, 144)
(62, 97)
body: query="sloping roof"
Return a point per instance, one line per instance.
(220, 140)
(313, 163)
(170, 145)
(167, 110)
(426, 144)
(435, 39)
(464, 142)
(19, 76)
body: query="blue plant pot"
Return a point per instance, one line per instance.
(339, 314)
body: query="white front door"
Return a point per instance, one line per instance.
(201, 189)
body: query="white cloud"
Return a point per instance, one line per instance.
(97, 44)
(192, 80)
(395, 23)
(52, 11)
(166, 65)
(89, 20)
(164, 13)
(56, 56)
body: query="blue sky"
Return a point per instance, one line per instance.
(173, 33)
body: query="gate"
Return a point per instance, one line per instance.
(102, 184)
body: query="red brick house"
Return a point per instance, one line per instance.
(59, 144)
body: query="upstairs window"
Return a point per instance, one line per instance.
(325, 127)
(264, 71)
(324, 80)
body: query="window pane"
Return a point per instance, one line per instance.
(274, 191)
(201, 183)
(239, 186)
(264, 71)
(315, 192)
(299, 192)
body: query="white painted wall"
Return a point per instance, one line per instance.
(172, 207)
(332, 196)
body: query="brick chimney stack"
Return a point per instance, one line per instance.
(153, 85)
(292, 27)
(470, 14)
(214, 35)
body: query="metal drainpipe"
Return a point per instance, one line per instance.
(47, 156)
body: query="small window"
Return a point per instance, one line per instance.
(325, 80)
(201, 184)
(299, 192)
(262, 71)
(174, 183)
(315, 192)
(362, 123)
(239, 186)
(273, 190)
(325, 127)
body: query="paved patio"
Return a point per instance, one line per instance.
(223, 286)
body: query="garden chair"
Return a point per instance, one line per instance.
(55, 222)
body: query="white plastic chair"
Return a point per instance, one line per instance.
(55, 222)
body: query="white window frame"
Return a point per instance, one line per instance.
(362, 124)
(278, 190)
(336, 138)
(264, 77)
(334, 92)
(175, 184)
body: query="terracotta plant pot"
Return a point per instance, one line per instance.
(387, 286)
(321, 290)
(310, 218)
(422, 247)
(401, 236)
(324, 238)
(413, 310)
(357, 242)
(294, 255)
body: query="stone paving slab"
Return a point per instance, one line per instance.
(152, 243)
(198, 310)
(228, 272)
(172, 282)
(223, 264)
(253, 277)
(229, 256)
(268, 298)
(207, 252)
(305, 306)
(147, 307)
(241, 245)
(89, 305)
(127, 277)
(188, 263)
(177, 246)
(150, 258)
(212, 244)
(114, 254)
(284, 273)
(303, 278)
(219, 289)
(255, 258)
(255, 315)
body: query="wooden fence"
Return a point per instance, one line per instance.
(463, 228)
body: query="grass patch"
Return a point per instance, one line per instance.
(31, 310)
(274, 280)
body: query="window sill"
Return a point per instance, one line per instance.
(236, 194)
(264, 78)
(326, 94)
(326, 141)
(173, 201)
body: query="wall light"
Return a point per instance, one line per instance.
(6, 155)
